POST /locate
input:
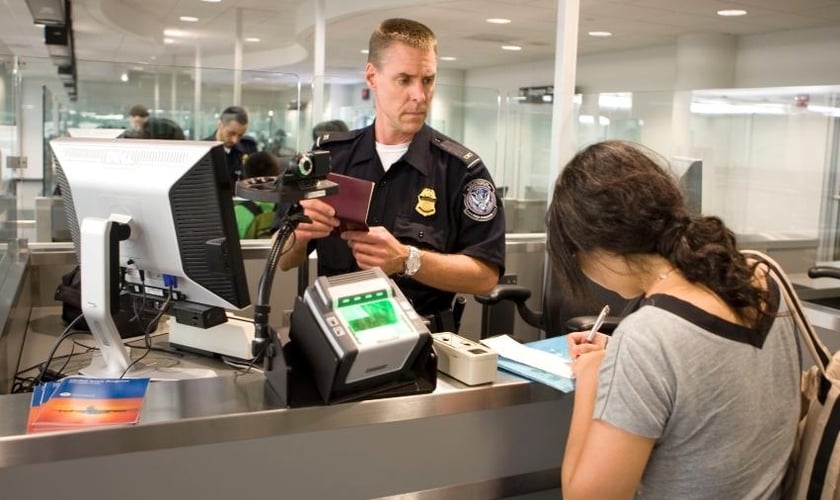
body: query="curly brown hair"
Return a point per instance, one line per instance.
(616, 196)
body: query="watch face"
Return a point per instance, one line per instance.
(412, 264)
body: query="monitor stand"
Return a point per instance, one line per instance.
(100, 246)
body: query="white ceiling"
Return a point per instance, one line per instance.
(132, 30)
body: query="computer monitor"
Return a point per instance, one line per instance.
(689, 173)
(161, 214)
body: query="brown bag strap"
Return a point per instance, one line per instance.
(819, 351)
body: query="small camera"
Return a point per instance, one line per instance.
(306, 168)
(303, 176)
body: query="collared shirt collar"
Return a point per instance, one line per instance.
(418, 155)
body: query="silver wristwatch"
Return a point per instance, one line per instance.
(412, 263)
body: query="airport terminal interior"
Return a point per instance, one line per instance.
(740, 97)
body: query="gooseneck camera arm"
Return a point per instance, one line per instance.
(305, 178)
(263, 332)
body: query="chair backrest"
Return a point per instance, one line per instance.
(559, 307)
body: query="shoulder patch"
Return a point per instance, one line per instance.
(480, 200)
(333, 137)
(469, 158)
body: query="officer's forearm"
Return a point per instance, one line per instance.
(294, 256)
(457, 273)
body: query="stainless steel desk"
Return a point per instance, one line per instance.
(220, 438)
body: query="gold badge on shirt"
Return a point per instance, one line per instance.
(426, 202)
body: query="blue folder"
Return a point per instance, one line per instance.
(555, 345)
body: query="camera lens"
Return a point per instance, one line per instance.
(305, 165)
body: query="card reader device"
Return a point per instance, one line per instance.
(362, 338)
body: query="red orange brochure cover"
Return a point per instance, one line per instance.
(38, 397)
(352, 202)
(80, 402)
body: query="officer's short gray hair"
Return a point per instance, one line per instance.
(412, 33)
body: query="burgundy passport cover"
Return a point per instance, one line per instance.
(351, 203)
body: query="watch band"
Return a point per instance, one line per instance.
(412, 262)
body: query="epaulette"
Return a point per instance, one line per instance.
(333, 137)
(469, 158)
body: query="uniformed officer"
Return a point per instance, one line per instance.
(230, 130)
(436, 225)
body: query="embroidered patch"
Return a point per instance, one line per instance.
(480, 200)
(426, 202)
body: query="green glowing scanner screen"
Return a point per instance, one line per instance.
(373, 322)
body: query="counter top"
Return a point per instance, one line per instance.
(230, 408)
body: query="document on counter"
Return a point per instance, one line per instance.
(546, 361)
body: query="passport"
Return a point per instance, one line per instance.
(351, 203)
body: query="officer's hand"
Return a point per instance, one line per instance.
(376, 248)
(323, 221)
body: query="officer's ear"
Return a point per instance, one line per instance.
(370, 75)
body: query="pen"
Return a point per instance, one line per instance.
(598, 322)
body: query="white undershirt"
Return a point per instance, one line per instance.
(390, 153)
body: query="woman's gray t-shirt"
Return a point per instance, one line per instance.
(722, 410)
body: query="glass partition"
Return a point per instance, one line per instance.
(190, 98)
(8, 147)
(768, 156)
(764, 160)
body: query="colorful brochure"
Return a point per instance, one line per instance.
(82, 402)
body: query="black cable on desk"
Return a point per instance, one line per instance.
(147, 331)
(68, 332)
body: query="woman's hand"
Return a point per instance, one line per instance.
(579, 345)
(586, 356)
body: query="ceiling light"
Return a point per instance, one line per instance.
(732, 12)
(252, 39)
(448, 58)
(600, 34)
(512, 48)
(498, 20)
(124, 76)
(188, 19)
(168, 41)
(364, 51)
(176, 33)
(211, 1)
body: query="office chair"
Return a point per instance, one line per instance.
(560, 314)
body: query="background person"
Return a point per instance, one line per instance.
(255, 219)
(327, 127)
(436, 224)
(230, 130)
(697, 393)
(143, 126)
(137, 117)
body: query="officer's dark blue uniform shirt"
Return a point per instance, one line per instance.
(237, 156)
(439, 196)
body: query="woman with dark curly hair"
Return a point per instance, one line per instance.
(697, 394)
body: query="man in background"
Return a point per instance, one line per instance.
(143, 126)
(436, 225)
(138, 115)
(230, 131)
(328, 126)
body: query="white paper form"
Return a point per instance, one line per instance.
(509, 348)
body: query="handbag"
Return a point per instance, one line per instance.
(814, 470)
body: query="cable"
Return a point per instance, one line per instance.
(68, 332)
(147, 331)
